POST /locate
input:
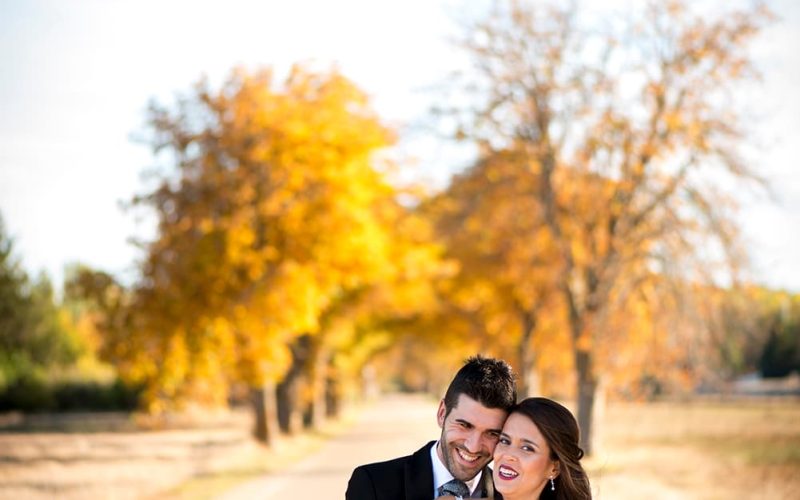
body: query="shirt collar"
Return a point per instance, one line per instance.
(441, 475)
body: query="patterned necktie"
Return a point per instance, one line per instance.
(455, 487)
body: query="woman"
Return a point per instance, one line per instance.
(538, 454)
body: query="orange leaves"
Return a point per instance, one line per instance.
(674, 121)
(278, 222)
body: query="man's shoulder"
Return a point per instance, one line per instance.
(399, 478)
(394, 466)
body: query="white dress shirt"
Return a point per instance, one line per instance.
(441, 475)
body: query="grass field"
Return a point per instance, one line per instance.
(656, 451)
(699, 450)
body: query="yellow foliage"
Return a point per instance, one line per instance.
(279, 222)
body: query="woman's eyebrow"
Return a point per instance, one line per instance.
(523, 439)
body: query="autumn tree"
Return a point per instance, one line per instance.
(274, 217)
(506, 281)
(630, 127)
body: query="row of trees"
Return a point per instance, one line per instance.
(53, 350)
(285, 261)
(282, 255)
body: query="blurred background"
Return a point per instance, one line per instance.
(245, 214)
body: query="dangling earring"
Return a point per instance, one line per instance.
(552, 484)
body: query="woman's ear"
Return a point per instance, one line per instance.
(556, 468)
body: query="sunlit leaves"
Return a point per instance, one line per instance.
(274, 213)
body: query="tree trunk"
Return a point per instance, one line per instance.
(265, 427)
(332, 397)
(317, 376)
(290, 416)
(290, 405)
(529, 379)
(586, 391)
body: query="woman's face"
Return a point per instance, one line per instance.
(522, 464)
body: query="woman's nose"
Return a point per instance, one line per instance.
(505, 454)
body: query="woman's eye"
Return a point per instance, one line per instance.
(528, 449)
(504, 440)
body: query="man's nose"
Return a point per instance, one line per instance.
(474, 442)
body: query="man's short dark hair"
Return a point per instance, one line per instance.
(488, 381)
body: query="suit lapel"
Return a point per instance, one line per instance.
(419, 474)
(486, 490)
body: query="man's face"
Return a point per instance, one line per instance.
(469, 435)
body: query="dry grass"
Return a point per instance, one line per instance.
(699, 450)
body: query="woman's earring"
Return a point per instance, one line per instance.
(552, 484)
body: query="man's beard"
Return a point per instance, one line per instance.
(457, 469)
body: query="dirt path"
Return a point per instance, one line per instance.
(398, 425)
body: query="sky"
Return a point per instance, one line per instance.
(76, 77)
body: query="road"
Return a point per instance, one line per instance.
(395, 425)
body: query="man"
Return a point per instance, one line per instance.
(471, 416)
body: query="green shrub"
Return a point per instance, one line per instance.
(92, 395)
(781, 354)
(33, 394)
(27, 393)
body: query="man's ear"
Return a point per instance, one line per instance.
(441, 413)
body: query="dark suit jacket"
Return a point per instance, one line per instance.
(405, 478)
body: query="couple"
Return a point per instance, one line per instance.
(534, 445)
